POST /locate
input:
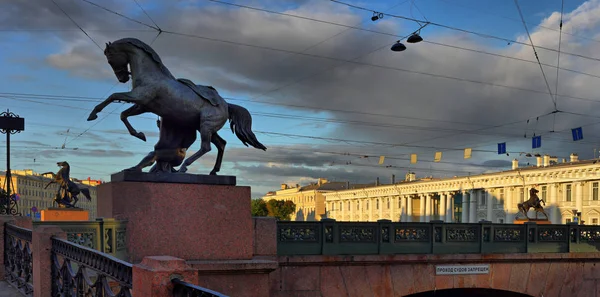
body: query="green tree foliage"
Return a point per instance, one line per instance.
(259, 208)
(281, 210)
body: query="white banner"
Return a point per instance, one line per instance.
(462, 269)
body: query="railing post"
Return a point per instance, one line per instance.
(385, 231)
(327, 234)
(436, 234)
(41, 249)
(530, 235)
(486, 235)
(572, 236)
(3, 221)
(101, 238)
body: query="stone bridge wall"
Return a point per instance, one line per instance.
(547, 275)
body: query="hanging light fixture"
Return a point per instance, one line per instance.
(376, 16)
(414, 38)
(398, 47)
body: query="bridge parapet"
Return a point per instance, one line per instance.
(329, 237)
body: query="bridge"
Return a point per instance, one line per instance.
(329, 258)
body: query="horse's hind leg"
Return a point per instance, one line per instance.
(220, 144)
(205, 137)
(133, 111)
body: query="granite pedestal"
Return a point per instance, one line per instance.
(57, 214)
(537, 221)
(191, 217)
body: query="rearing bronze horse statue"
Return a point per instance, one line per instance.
(535, 202)
(67, 190)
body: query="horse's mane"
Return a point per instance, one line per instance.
(146, 48)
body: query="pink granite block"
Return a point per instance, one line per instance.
(41, 245)
(297, 294)
(333, 282)
(500, 275)
(265, 236)
(403, 279)
(537, 278)
(188, 221)
(483, 280)
(300, 278)
(444, 282)
(238, 285)
(587, 289)
(519, 275)
(555, 279)
(591, 270)
(152, 277)
(573, 279)
(275, 281)
(424, 278)
(380, 278)
(356, 282)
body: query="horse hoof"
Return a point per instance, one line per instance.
(182, 169)
(140, 135)
(92, 117)
(212, 173)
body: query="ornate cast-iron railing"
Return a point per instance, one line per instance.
(97, 274)
(18, 259)
(329, 237)
(104, 235)
(183, 289)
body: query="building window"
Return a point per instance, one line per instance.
(484, 198)
(357, 205)
(568, 193)
(501, 197)
(567, 221)
(367, 205)
(594, 221)
(595, 191)
(501, 221)
(348, 205)
(399, 202)
(377, 205)
(388, 203)
(544, 192)
(341, 205)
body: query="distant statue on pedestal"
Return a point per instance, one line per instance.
(535, 202)
(66, 196)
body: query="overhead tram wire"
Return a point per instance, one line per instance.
(536, 54)
(562, 8)
(76, 24)
(517, 20)
(372, 65)
(122, 15)
(483, 35)
(400, 36)
(474, 132)
(305, 50)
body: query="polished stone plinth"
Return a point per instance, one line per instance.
(57, 214)
(179, 178)
(187, 221)
(537, 221)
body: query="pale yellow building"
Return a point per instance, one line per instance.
(30, 187)
(309, 200)
(568, 188)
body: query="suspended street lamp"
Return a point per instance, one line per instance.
(414, 37)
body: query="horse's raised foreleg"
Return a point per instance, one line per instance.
(205, 137)
(135, 96)
(220, 144)
(130, 112)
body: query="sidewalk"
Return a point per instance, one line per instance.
(7, 291)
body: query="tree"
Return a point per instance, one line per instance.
(259, 208)
(281, 210)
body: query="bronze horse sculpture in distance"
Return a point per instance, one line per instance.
(183, 107)
(67, 189)
(535, 202)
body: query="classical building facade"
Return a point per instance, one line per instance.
(567, 188)
(309, 200)
(29, 185)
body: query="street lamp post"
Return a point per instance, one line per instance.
(10, 123)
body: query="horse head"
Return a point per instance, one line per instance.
(63, 164)
(118, 60)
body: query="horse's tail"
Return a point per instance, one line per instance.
(86, 193)
(241, 125)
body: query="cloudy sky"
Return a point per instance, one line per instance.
(327, 95)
